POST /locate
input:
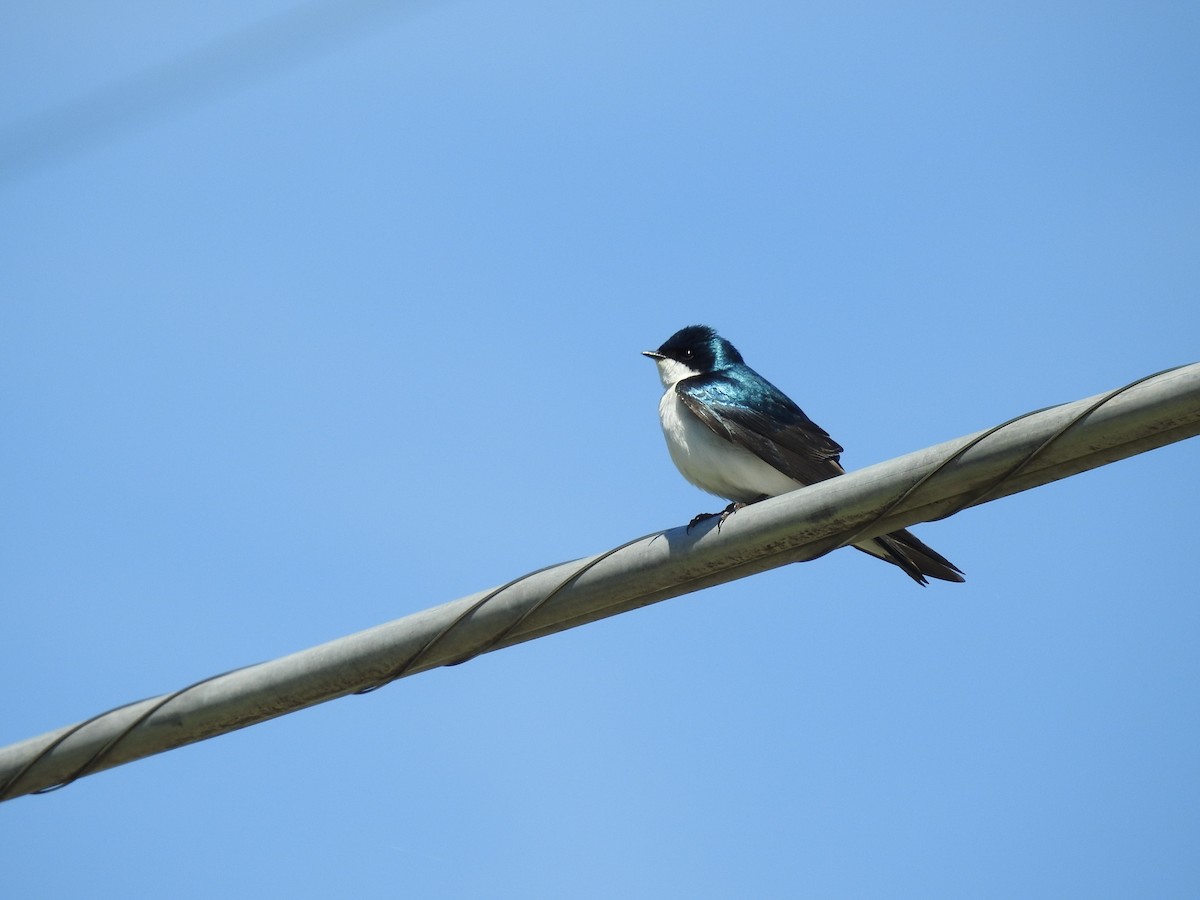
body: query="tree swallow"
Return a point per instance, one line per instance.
(734, 434)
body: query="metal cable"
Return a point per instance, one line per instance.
(1006, 476)
(94, 761)
(423, 654)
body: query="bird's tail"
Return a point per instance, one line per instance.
(902, 548)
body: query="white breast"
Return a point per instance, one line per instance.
(712, 463)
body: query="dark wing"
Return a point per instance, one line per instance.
(744, 408)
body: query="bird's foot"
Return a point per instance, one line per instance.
(720, 517)
(727, 512)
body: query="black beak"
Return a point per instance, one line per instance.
(653, 354)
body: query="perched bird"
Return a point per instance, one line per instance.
(734, 434)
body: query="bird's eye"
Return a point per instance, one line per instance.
(687, 354)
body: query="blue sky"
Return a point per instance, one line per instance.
(305, 337)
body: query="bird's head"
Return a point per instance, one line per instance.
(695, 350)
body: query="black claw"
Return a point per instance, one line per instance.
(723, 514)
(727, 512)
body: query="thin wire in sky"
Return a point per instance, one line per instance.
(217, 69)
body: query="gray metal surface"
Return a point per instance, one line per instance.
(928, 484)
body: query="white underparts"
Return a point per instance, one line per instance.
(713, 463)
